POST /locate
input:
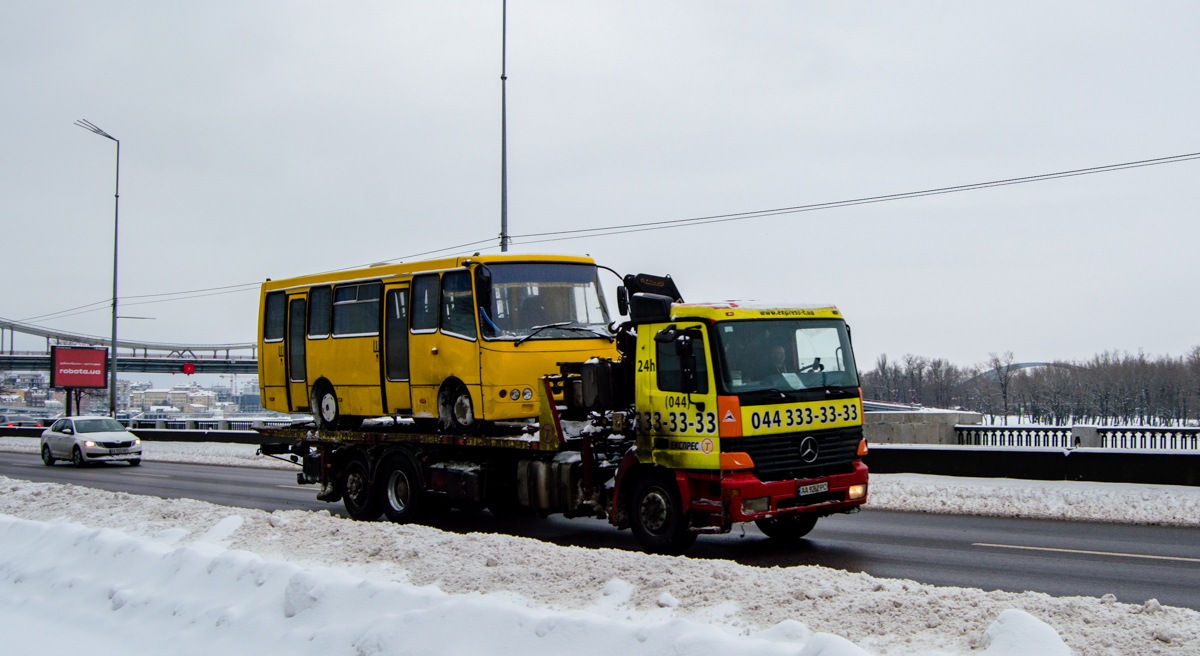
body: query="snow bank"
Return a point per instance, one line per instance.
(1124, 503)
(193, 577)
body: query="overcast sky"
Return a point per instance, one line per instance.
(277, 139)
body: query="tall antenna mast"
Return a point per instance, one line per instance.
(503, 127)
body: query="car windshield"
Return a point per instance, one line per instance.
(104, 425)
(520, 298)
(785, 354)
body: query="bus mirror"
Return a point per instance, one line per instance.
(622, 300)
(649, 308)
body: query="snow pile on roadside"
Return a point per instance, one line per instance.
(374, 587)
(200, 453)
(1124, 503)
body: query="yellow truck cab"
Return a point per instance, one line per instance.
(754, 408)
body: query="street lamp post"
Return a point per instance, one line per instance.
(503, 127)
(112, 355)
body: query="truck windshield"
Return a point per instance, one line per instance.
(785, 354)
(525, 297)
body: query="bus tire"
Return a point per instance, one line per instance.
(324, 405)
(656, 515)
(456, 411)
(400, 489)
(788, 528)
(361, 501)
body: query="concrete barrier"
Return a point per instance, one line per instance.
(916, 427)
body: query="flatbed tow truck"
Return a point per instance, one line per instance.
(714, 414)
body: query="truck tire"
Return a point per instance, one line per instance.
(656, 515)
(399, 489)
(787, 528)
(361, 501)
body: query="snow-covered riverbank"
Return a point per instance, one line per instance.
(103, 572)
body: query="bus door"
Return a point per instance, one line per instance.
(273, 358)
(297, 370)
(443, 339)
(395, 350)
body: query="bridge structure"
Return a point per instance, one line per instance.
(141, 357)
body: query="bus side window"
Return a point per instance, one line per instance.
(356, 310)
(320, 306)
(425, 303)
(458, 315)
(275, 317)
(396, 332)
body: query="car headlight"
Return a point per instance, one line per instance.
(89, 443)
(137, 441)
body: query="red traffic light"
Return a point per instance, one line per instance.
(189, 368)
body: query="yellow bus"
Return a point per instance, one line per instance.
(455, 341)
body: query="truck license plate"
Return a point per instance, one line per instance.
(815, 488)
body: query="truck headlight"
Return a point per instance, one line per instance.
(756, 505)
(856, 491)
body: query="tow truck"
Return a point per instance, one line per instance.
(713, 415)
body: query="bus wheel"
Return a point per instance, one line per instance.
(455, 410)
(362, 503)
(787, 528)
(399, 489)
(324, 405)
(656, 515)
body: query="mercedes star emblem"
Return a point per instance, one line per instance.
(808, 449)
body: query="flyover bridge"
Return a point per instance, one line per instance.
(141, 357)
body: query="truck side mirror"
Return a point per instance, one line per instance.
(623, 300)
(649, 308)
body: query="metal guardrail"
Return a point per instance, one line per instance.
(1154, 438)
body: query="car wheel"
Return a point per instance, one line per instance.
(787, 528)
(362, 503)
(456, 412)
(656, 515)
(77, 457)
(135, 462)
(47, 457)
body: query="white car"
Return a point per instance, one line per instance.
(89, 439)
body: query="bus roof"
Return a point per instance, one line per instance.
(384, 271)
(731, 310)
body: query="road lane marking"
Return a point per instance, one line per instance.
(1085, 551)
(144, 474)
(296, 487)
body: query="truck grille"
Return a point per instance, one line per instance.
(778, 457)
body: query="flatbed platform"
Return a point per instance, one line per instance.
(508, 440)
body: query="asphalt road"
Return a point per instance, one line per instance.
(1060, 558)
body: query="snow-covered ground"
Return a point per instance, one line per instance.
(84, 570)
(995, 497)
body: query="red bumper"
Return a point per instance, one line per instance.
(738, 496)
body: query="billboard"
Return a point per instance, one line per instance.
(78, 366)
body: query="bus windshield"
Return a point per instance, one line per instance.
(526, 297)
(785, 354)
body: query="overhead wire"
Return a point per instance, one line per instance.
(646, 226)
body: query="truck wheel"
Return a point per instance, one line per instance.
(360, 500)
(455, 410)
(399, 489)
(656, 515)
(787, 528)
